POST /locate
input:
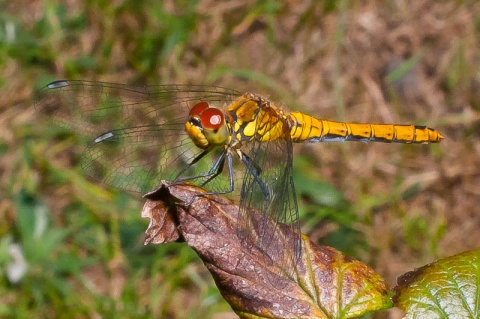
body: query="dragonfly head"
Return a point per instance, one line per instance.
(206, 126)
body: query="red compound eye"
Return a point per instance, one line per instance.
(198, 108)
(212, 118)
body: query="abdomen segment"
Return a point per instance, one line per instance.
(305, 128)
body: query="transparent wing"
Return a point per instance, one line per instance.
(135, 136)
(268, 187)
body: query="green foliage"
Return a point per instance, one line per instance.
(447, 288)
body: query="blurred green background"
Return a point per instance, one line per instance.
(73, 249)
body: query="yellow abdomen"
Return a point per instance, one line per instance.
(305, 128)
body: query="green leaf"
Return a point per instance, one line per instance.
(447, 288)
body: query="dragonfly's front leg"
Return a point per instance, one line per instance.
(215, 171)
(193, 162)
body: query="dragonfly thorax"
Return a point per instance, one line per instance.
(206, 126)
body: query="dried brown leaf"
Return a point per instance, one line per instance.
(163, 227)
(322, 283)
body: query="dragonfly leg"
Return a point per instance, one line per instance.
(216, 169)
(193, 162)
(221, 159)
(251, 164)
(255, 170)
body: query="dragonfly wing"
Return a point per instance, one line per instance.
(134, 136)
(276, 230)
(138, 158)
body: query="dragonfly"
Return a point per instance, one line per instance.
(240, 145)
